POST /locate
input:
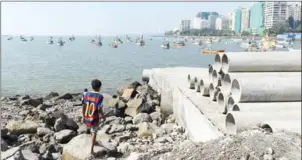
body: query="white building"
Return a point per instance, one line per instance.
(231, 17)
(212, 20)
(245, 19)
(274, 13)
(294, 10)
(201, 23)
(185, 25)
(222, 23)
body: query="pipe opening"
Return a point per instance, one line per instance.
(192, 84)
(225, 63)
(235, 108)
(210, 72)
(236, 91)
(201, 84)
(217, 62)
(215, 78)
(198, 88)
(230, 103)
(266, 127)
(211, 90)
(227, 83)
(230, 124)
(216, 91)
(189, 77)
(220, 100)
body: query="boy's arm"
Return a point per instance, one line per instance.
(100, 109)
(83, 107)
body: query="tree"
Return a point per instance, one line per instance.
(298, 29)
(280, 28)
(245, 33)
(291, 22)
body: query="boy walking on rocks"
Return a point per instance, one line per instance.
(92, 109)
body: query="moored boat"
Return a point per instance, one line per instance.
(181, 43)
(205, 51)
(165, 45)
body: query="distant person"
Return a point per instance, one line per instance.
(92, 110)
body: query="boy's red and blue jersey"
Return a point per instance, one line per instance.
(92, 101)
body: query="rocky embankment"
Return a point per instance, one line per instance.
(51, 128)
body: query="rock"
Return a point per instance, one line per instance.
(268, 157)
(18, 156)
(43, 107)
(141, 117)
(128, 120)
(32, 102)
(145, 108)
(145, 130)
(157, 116)
(178, 129)
(51, 95)
(41, 131)
(64, 136)
(111, 158)
(4, 132)
(123, 138)
(131, 127)
(82, 129)
(4, 145)
(79, 148)
(168, 127)
(59, 125)
(117, 128)
(135, 156)
(133, 104)
(55, 155)
(25, 97)
(101, 136)
(24, 113)
(65, 96)
(113, 111)
(71, 124)
(43, 148)
(123, 147)
(269, 151)
(22, 127)
(29, 155)
(114, 120)
(48, 118)
(163, 139)
(108, 101)
(128, 94)
(121, 105)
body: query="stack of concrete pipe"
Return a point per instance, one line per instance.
(256, 88)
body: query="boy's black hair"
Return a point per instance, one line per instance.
(96, 84)
(85, 90)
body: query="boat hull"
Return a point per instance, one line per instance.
(204, 51)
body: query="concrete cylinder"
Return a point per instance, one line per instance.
(210, 72)
(216, 78)
(266, 107)
(266, 89)
(227, 78)
(260, 62)
(278, 125)
(217, 62)
(237, 120)
(213, 92)
(222, 100)
(204, 87)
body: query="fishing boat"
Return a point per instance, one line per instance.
(180, 43)
(49, 41)
(165, 45)
(31, 39)
(72, 38)
(198, 42)
(60, 42)
(140, 42)
(113, 45)
(23, 39)
(118, 41)
(9, 38)
(205, 51)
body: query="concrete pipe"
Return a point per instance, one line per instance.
(217, 62)
(265, 107)
(238, 120)
(210, 72)
(204, 87)
(228, 77)
(192, 84)
(278, 125)
(222, 101)
(216, 78)
(213, 92)
(266, 89)
(260, 62)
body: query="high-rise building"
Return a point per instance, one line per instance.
(205, 24)
(212, 20)
(205, 15)
(274, 13)
(257, 18)
(185, 25)
(245, 19)
(196, 23)
(294, 10)
(222, 23)
(231, 18)
(238, 16)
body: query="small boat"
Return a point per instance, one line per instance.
(113, 45)
(199, 42)
(49, 41)
(181, 43)
(71, 38)
(118, 41)
(205, 51)
(9, 38)
(31, 39)
(140, 42)
(23, 39)
(60, 42)
(165, 45)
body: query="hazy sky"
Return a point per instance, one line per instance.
(105, 18)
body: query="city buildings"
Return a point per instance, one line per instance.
(231, 18)
(212, 20)
(222, 23)
(238, 16)
(257, 18)
(205, 20)
(205, 15)
(245, 19)
(274, 13)
(196, 23)
(294, 10)
(185, 25)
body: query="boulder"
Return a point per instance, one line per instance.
(65, 96)
(145, 129)
(4, 132)
(145, 108)
(43, 107)
(157, 116)
(42, 131)
(142, 117)
(133, 104)
(64, 136)
(109, 101)
(4, 145)
(32, 102)
(22, 127)
(51, 95)
(117, 128)
(79, 149)
(29, 155)
(168, 127)
(128, 93)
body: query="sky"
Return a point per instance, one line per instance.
(105, 18)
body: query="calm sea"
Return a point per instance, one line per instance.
(38, 68)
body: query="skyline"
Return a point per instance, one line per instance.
(105, 18)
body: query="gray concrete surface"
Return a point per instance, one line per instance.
(281, 125)
(260, 62)
(266, 89)
(238, 120)
(204, 87)
(266, 107)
